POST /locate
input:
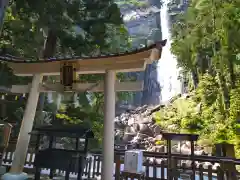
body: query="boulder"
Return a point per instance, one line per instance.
(119, 125)
(150, 160)
(158, 137)
(159, 148)
(157, 130)
(130, 130)
(199, 152)
(136, 139)
(158, 161)
(151, 140)
(131, 121)
(127, 138)
(144, 129)
(172, 127)
(185, 149)
(215, 166)
(142, 136)
(206, 164)
(146, 120)
(136, 127)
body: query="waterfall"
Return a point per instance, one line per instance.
(168, 72)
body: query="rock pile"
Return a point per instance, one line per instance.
(138, 128)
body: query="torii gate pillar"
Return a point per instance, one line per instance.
(26, 127)
(108, 135)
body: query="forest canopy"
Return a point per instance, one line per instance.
(58, 28)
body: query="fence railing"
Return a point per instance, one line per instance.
(156, 166)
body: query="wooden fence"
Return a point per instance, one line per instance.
(155, 165)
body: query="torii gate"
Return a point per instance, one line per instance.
(67, 68)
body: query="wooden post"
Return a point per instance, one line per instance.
(169, 153)
(227, 150)
(117, 166)
(7, 128)
(6, 135)
(193, 160)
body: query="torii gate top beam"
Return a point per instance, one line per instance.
(123, 62)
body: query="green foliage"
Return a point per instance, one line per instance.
(71, 28)
(79, 26)
(160, 142)
(206, 120)
(234, 111)
(207, 90)
(205, 41)
(192, 123)
(84, 115)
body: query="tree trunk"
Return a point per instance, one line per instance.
(50, 44)
(3, 7)
(232, 74)
(203, 63)
(195, 77)
(224, 90)
(49, 49)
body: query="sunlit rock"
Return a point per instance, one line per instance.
(157, 130)
(158, 138)
(144, 129)
(127, 138)
(172, 127)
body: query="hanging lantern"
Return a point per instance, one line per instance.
(68, 74)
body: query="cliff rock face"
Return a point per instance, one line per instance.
(152, 89)
(176, 7)
(144, 26)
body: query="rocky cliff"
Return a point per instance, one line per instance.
(176, 7)
(143, 23)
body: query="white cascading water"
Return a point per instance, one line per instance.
(168, 72)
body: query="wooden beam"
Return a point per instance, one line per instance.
(80, 87)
